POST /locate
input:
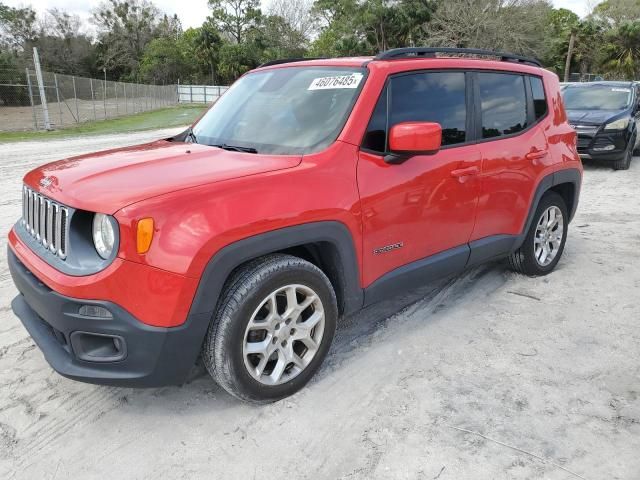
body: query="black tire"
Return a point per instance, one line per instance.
(222, 351)
(625, 163)
(524, 260)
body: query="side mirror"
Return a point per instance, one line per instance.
(413, 138)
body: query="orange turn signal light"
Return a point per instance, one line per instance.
(145, 234)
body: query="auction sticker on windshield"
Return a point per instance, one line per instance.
(339, 81)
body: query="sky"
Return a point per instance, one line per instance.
(193, 12)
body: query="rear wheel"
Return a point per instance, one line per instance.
(273, 328)
(545, 240)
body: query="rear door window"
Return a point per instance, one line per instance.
(503, 103)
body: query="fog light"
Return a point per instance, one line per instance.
(95, 311)
(98, 347)
(604, 149)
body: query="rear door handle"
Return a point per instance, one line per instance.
(465, 172)
(536, 155)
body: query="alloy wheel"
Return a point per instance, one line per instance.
(548, 236)
(283, 334)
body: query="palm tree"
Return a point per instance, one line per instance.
(622, 50)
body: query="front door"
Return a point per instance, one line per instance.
(425, 205)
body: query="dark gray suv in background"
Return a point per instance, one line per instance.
(605, 115)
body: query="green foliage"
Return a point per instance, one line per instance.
(11, 74)
(164, 61)
(358, 28)
(62, 45)
(138, 42)
(504, 25)
(617, 12)
(236, 59)
(560, 24)
(17, 26)
(235, 18)
(622, 50)
(201, 46)
(125, 29)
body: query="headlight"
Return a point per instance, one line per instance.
(103, 235)
(619, 124)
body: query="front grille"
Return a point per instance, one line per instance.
(583, 143)
(45, 220)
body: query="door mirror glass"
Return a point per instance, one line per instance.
(415, 137)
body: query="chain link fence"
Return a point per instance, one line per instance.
(63, 100)
(15, 105)
(591, 77)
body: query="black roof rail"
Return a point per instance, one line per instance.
(288, 60)
(430, 52)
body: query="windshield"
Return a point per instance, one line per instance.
(596, 98)
(292, 110)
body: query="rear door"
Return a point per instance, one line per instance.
(427, 204)
(514, 150)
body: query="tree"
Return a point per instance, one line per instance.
(355, 28)
(235, 18)
(164, 61)
(62, 45)
(17, 27)
(12, 75)
(236, 59)
(622, 50)
(392, 24)
(202, 46)
(297, 14)
(276, 38)
(510, 25)
(125, 28)
(616, 12)
(561, 24)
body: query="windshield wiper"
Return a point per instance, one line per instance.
(191, 136)
(235, 148)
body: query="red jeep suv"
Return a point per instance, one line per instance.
(309, 190)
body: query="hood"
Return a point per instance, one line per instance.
(592, 117)
(110, 180)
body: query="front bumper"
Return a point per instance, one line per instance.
(591, 145)
(150, 356)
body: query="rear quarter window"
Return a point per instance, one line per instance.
(539, 98)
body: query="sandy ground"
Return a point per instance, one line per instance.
(546, 369)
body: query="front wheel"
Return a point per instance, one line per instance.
(625, 162)
(272, 330)
(544, 243)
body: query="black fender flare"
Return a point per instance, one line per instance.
(230, 257)
(569, 175)
(186, 347)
